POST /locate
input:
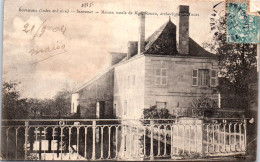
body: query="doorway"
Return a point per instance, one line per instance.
(100, 110)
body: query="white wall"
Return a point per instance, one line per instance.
(74, 102)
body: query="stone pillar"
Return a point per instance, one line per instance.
(191, 126)
(183, 30)
(141, 37)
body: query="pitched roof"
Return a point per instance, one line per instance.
(163, 42)
(102, 73)
(197, 50)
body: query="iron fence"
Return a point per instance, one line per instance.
(116, 139)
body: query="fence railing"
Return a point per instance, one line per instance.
(206, 112)
(116, 139)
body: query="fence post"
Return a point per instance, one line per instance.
(40, 145)
(77, 142)
(202, 137)
(26, 139)
(94, 140)
(151, 148)
(171, 142)
(245, 139)
(224, 142)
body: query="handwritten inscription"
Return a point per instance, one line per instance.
(57, 47)
(43, 28)
(37, 31)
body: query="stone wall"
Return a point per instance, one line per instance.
(101, 89)
(178, 92)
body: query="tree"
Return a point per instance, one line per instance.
(39, 107)
(62, 102)
(13, 107)
(237, 61)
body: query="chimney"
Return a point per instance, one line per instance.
(141, 38)
(132, 48)
(183, 30)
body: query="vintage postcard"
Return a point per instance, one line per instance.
(173, 80)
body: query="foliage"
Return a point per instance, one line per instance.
(39, 107)
(62, 102)
(203, 102)
(33, 157)
(58, 106)
(237, 61)
(13, 107)
(154, 113)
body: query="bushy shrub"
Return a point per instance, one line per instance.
(154, 113)
(203, 102)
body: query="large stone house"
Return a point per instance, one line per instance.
(168, 69)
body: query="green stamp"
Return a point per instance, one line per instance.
(241, 27)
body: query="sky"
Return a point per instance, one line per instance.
(80, 43)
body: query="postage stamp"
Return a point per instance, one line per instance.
(241, 27)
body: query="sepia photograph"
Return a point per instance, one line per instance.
(130, 80)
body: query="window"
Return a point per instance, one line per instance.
(213, 78)
(128, 81)
(161, 76)
(125, 107)
(203, 77)
(100, 109)
(194, 77)
(133, 80)
(97, 110)
(161, 105)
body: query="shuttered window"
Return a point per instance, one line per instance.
(194, 77)
(204, 77)
(213, 78)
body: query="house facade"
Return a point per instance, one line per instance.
(167, 70)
